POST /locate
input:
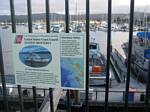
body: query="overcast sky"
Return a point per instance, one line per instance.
(96, 6)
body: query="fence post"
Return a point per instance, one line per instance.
(67, 31)
(5, 100)
(108, 56)
(96, 95)
(35, 99)
(29, 9)
(44, 92)
(13, 21)
(51, 100)
(87, 55)
(29, 16)
(20, 98)
(48, 31)
(129, 53)
(47, 16)
(147, 98)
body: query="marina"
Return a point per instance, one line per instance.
(74, 59)
(118, 69)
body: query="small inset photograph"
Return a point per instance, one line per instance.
(35, 56)
(18, 39)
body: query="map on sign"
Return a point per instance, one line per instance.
(72, 72)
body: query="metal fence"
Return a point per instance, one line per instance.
(29, 10)
(94, 95)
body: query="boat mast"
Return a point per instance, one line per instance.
(145, 25)
(76, 23)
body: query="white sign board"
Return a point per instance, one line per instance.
(50, 60)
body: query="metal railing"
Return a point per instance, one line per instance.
(118, 63)
(29, 10)
(46, 99)
(95, 95)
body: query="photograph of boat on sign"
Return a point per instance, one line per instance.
(35, 56)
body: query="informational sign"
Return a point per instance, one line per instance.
(147, 53)
(50, 60)
(37, 59)
(73, 49)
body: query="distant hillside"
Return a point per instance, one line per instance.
(58, 17)
(23, 18)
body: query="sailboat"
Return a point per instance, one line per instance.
(5, 25)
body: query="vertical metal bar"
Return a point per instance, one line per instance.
(129, 53)
(44, 92)
(13, 20)
(68, 101)
(1, 60)
(20, 98)
(47, 16)
(5, 100)
(48, 31)
(87, 55)
(108, 56)
(30, 31)
(147, 90)
(29, 16)
(67, 15)
(96, 95)
(51, 100)
(35, 99)
(67, 31)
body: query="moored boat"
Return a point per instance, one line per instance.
(139, 63)
(97, 66)
(5, 27)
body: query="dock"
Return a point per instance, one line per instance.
(118, 63)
